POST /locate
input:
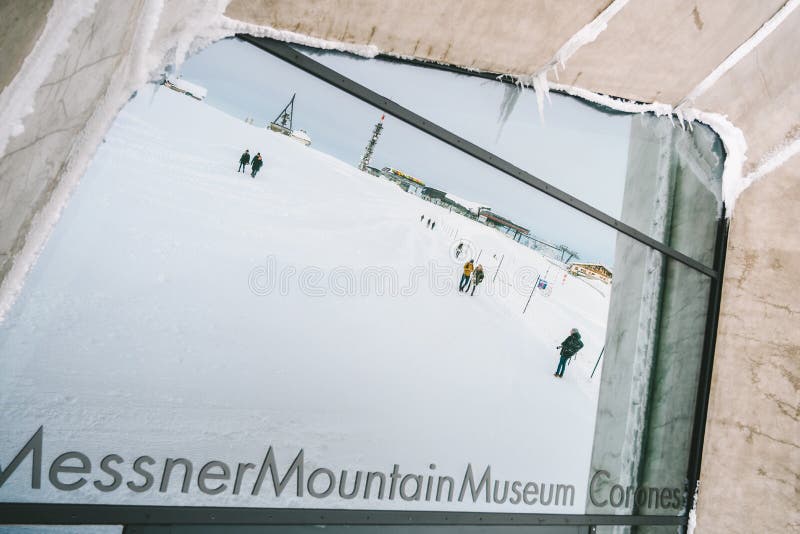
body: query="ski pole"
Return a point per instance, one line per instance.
(531, 295)
(598, 361)
(498, 268)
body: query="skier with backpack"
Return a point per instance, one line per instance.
(569, 348)
(477, 278)
(256, 164)
(244, 161)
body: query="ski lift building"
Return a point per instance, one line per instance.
(407, 182)
(283, 124)
(596, 271)
(489, 218)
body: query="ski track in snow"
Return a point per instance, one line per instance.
(136, 332)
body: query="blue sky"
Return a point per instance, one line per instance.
(576, 147)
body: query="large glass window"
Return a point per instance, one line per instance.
(267, 293)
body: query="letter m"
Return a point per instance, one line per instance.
(34, 445)
(269, 465)
(483, 485)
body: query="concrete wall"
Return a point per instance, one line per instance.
(22, 24)
(34, 162)
(750, 480)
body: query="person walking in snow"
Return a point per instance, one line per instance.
(468, 268)
(256, 165)
(477, 278)
(429, 222)
(569, 348)
(244, 161)
(433, 225)
(421, 217)
(459, 249)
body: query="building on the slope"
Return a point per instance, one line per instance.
(284, 124)
(374, 171)
(591, 270)
(489, 218)
(431, 194)
(406, 182)
(182, 86)
(465, 207)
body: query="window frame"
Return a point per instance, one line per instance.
(136, 517)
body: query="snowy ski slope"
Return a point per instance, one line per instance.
(180, 309)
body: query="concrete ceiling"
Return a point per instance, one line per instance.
(511, 37)
(649, 51)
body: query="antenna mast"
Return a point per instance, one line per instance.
(365, 159)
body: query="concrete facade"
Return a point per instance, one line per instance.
(34, 161)
(649, 51)
(24, 23)
(751, 458)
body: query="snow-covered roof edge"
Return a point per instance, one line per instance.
(470, 205)
(189, 87)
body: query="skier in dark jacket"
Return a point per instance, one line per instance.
(256, 165)
(569, 348)
(244, 161)
(477, 278)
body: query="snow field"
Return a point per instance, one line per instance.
(139, 331)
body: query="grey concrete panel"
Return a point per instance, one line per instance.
(512, 37)
(658, 51)
(750, 476)
(33, 162)
(21, 24)
(761, 94)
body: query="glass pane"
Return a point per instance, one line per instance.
(652, 173)
(414, 334)
(651, 367)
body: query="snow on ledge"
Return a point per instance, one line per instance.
(193, 89)
(732, 137)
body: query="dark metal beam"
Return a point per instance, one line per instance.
(298, 59)
(707, 363)
(103, 514)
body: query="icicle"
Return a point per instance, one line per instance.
(510, 98)
(542, 87)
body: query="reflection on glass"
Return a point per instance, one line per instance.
(282, 297)
(670, 171)
(656, 327)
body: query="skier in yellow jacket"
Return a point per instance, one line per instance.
(468, 268)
